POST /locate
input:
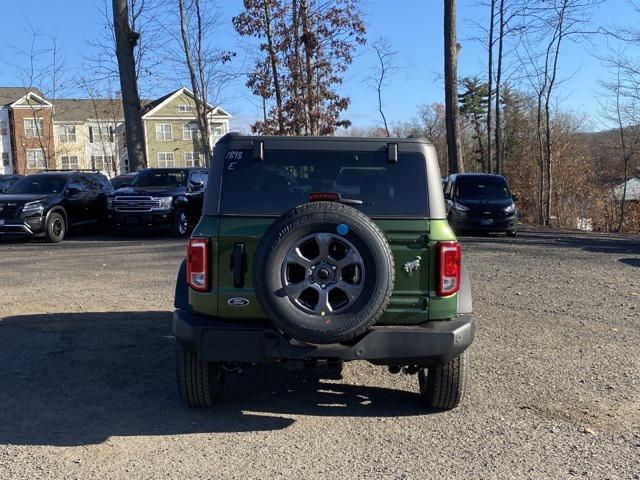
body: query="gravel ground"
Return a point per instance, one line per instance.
(87, 382)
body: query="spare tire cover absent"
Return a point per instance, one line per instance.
(323, 273)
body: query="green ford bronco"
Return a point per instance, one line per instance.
(315, 251)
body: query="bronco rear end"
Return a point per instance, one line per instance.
(316, 251)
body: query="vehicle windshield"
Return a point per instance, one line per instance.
(287, 178)
(161, 178)
(6, 183)
(482, 188)
(34, 184)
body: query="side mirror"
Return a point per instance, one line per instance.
(72, 192)
(514, 197)
(197, 186)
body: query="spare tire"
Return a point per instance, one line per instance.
(323, 273)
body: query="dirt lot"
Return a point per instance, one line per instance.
(87, 381)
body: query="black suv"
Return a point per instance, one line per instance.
(51, 203)
(164, 198)
(478, 202)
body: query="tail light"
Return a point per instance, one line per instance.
(324, 197)
(448, 265)
(198, 263)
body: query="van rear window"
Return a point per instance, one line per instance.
(287, 178)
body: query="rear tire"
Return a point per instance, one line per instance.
(200, 384)
(443, 386)
(56, 228)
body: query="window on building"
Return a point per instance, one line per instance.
(185, 108)
(4, 129)
(165, 160)
(5, 159)
(190, 131)
(217, 130)
(67, 133)
(101, 133)
(33, 127)
(163, 131)
(102, 162)
(69, 162)
(35, 158)
(192, 159)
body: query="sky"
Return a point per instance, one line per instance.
(414, 28)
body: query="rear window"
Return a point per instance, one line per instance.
(287, 178)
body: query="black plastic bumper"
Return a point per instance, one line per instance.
(431, 343)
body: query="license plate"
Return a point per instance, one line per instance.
(486, 221)
(130, 220)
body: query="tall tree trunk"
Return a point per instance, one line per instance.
(197, 71)
(454, 147)
(548, 136)
(541, 162)
(273, 61)
(296, 72)
(309, 46)
(490, 85)
(498, 132)
(126, 40)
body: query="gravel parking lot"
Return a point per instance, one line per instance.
(87, 384)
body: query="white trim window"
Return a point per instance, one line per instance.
(102, 162)
(190, 131)
(69, 162)
(33, 127)
(67, 133)
(164, 132)
(4, 128)
(192, 159)
(217, 130)
(166, 160)
(35, 158)
(185, 108)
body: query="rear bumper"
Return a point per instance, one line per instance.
(213, 339)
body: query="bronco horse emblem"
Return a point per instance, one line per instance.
(412, 266)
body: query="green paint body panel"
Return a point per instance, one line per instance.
(413, 300)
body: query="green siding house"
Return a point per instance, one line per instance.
(171, 132)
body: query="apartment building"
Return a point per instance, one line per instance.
(37, 134)
(171, 131)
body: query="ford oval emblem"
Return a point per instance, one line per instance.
(238, 302)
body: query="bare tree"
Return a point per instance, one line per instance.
(451, 46)
(126, 40)
(384, 68)
(492, 23)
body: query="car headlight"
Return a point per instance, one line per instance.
(511, 208)
(164, 203)
(38, 205)
(460, 207)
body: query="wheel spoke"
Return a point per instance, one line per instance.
(350, 290)
(295, 256)
(324, 241)
(352, 258)
(323, 307)
(295, 289)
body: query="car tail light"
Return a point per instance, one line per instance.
(198, 263)
(448, 265)
(324, 197)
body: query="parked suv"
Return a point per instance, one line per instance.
(478, 202)
(316, 251)
(53, 202)
(160, 198)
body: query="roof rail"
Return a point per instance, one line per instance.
(79, 170)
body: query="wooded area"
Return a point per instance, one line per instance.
(507, 118)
